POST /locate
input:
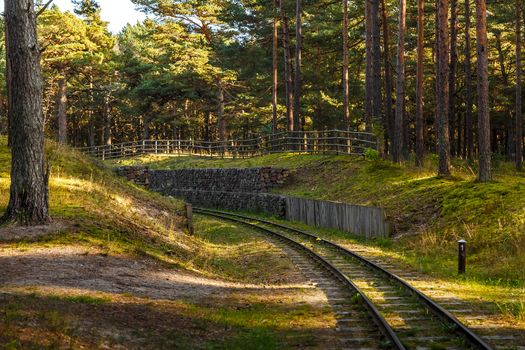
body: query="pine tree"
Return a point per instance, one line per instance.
(442, 86)
(485, 171)
(519, 113)
(420, 118)
(397, 152)
(298, 62)
(469, 133)
(346, 87)
(86, 8)
(29, 199)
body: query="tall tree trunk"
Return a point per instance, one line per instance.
(400, 86)
(519, 114)
(442, 88)
(207, 118)
(318, 109)
(298, 61)
(275, 66)
(509, 124)
(91, 113)
(376, 62)
(221, 118)
(288, 71)
(388, 74)
(452, 117)
(91, 133)
(108, 120)
(346, 86)
(485, 171)
(501, 58)
(29, 195)
(469, 132)
(8, 79)
(420, 118)
(62, 108)
(369, 71)
(146, 135)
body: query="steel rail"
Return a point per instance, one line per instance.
(430, 304)
(378, 319)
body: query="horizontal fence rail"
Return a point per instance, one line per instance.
(316, 142)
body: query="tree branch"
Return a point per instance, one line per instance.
(44, 8)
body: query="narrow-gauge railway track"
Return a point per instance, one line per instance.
(406, 317)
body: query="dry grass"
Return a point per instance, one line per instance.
(116, 270)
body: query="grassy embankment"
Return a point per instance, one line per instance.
(429, 214)
(56, 287)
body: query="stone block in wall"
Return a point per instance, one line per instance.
(250, 180)
(236, 201)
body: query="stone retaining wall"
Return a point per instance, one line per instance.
(253, 180)
(236, 201)
(245, 190)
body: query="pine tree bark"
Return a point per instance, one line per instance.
(62, 108)
(108, 120)
(442, 88)
(452, 117)
(469, 132)
(8, 79)
(388, 74)
(369, 70)
(346, 86)
(510, 146)
(275, 67)
(485, 171)
(29, 196)
(519, 96)
(146, 134)
(298, 62)
(221, 118)
(400, 86)
(420, 118)
(376, 63)
(288, 71)
(91, 114)
(207, 121)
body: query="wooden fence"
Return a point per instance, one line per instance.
(369, 222)
(318, 142)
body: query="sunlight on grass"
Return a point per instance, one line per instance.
(428, 213)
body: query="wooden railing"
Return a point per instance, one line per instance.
(318, 142)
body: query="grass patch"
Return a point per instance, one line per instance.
(103, 215)
(82, 299)
(160, 161)
(238, 253)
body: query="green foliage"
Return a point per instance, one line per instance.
(372, 154)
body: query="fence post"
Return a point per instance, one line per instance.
(462, 256)
(189, 217)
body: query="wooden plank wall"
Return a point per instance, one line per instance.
(368, 222)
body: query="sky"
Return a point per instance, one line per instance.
(117, 12)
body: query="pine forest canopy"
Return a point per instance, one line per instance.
(413, 72)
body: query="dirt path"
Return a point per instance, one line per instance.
(90, 270)
(82, 297)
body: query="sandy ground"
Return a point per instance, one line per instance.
(71, 267)
(14, 233)
(147, 299)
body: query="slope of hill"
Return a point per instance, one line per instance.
(429, 214)
(115, 269)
